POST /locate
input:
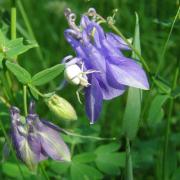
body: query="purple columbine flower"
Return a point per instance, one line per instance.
(36, 139)
(100, 66)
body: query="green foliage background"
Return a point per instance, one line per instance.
(93, 159)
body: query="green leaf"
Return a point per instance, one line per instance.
(108, 159)
(108, 148)
(133, 107)
(33, 92)
(12, 170)
(59, 167)
(155, 113)
(84, 157)
(47, 75)
(84, 172)
(163, 87)
(12, 48)
(16, 47)
(21, 74)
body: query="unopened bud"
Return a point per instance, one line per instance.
(61, 107)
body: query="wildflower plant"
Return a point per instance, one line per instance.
(45, 131)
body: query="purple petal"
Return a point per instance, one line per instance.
(85, 21)
(93, 99)
(128, 72)
(52, 144)
(116, 41)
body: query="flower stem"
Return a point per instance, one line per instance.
(25, 99)
(167, 131)
(13, 20)
(129, 167)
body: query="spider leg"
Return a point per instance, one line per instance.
(77, 93)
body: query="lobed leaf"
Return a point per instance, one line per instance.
(21, 74)
(47, 75)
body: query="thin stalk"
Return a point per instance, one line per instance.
(13, 20)
(167, 131)
(129, 166)
(28, 26)
(25, 99)
(167, 41)
(87, 137)
(11, 148)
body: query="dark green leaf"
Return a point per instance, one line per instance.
(155, 111)
(21, 74)
(108, 159)
(84, 172)
(108, 148)
(47, 75)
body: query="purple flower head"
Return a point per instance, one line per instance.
(36, 139)
(100, 66)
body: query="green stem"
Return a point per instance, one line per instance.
(13, 20)
(28, 26)
(165, 175)
(129, 166)
(11, 148)
(166, 43)
(25, 99)
(87, 137)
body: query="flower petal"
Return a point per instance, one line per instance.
(52, 143)
(116, 41)
(85, 21)
(128, 72)
(93, 99)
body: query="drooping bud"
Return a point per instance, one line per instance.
(22, 141)
(61, 107)
(52, 144)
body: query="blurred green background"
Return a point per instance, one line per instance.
(48, 23)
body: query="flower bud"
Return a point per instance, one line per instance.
(22, 141)
(61, 107)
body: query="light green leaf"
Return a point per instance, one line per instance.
(47, 75)
(133, 106)
(84, 157)
(108, 159)
(16, 47)
(21, 74)
(108, 148)
(59, 167)
(84, 172)
(33, 92)
(155, 113)
(12, 170)
(12, 48)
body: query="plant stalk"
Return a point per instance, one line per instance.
(129, 166)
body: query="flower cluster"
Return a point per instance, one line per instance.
(36, 139)
(100, 66)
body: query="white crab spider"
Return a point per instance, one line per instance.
(74, 74)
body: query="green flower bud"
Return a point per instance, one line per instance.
(61, 107)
